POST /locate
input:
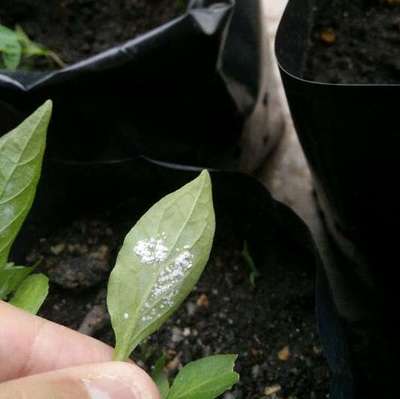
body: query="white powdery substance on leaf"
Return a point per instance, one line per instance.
(166, 287)
(152, 250)
(184, 260)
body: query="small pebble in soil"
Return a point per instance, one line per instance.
(190, 308)
(272, 390)
(284, 354)
(57, 249)
(202, 301)
(328, 36)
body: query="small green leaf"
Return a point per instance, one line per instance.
(11, 277)
(161, 260)
(21, 155)
(29, 47)
(250, 264)
(31, 293)
(32, 49)
(10, 48)
(160, 377)
(205, 378)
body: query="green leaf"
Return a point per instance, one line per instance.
(250, 264)
(29, 47)
(21, 155)
(161, 260)
(31, 293)
(205, 378)
(160, 377)
(10, 48)
(11, 277)
(32, 49)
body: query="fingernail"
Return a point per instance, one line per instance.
(111, 388)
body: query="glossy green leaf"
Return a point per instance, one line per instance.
(160, 377)
(161, 260)
(11, 277)
(31, 293)
(21, 155)
(205, 378)
(10, 48)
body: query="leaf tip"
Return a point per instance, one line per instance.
(205, 175)
(42, 115)
(47, 108)
(205, 181)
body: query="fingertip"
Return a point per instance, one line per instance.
(111, 380)
(130, 375)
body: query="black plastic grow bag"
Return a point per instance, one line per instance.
(171, 94)
(350, 137)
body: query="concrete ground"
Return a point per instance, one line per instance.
(286, 173)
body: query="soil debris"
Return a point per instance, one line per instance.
(284, 354)
(354, 42)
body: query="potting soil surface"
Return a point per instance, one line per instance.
(355, 41)
(76, 29)
(269, 324)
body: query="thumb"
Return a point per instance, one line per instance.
(113, 380)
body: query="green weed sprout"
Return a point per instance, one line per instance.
(16, 46)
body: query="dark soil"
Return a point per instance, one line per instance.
(270, 325)
(355, 41)
(76, 29)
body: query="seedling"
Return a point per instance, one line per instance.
(161, 260)
(250, 264)
(16, 47)
(21, 155)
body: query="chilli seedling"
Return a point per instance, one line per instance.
(160, 261)
(16, 47)
(21, 155)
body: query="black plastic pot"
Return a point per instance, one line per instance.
(350, 137)
(177, 94)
